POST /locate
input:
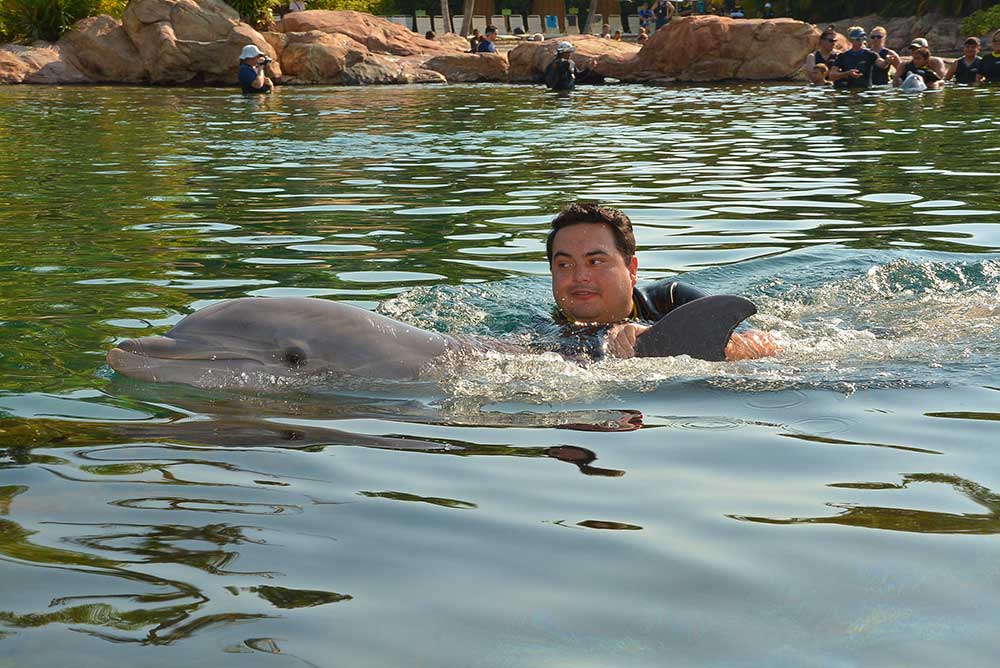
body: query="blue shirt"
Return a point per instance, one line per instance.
(486, 46)
(247, 76)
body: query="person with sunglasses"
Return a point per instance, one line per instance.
(880, 75)
(990, 68)
(853, 68)
(824, 55)
(965, 70)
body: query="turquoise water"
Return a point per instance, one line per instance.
(832, 506)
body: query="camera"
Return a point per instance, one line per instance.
(266, 60)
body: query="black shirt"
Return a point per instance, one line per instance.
(928, 75)
(650, 302)
(966, 73)
(863, 61)
(880, 75)
(990, 68)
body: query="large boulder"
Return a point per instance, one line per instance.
(191, 40)
(38, 64)
(380, 69)
(467, 67)
(376, 34)
(713, 48)
(529, 59)
(100, 48)
(316, 57)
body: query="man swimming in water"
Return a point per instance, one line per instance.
(591, 253)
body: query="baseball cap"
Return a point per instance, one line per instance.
(856, 33)
(562, 47)
(918, 42)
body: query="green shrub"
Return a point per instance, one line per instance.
(257, 13)
(42, 19)
(983, 22)
(377, 7)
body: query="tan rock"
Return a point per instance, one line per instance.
(380, 69)
(191, 40)
(467, 67)
(39, 64)
(12, 69)
(529, 59)
(316, 57)
(453, 42)
(100, 48)
(713, 48)
(376, 34)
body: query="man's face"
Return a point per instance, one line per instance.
(970, 49)
(591, 281)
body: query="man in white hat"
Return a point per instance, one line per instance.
(561, 74)
(251, 76)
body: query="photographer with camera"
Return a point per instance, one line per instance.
(251, 76)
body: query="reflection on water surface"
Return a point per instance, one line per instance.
(834, 505)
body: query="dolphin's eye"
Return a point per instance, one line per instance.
(295, 357)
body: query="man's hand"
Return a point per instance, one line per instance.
(621, 339)
(750, 345)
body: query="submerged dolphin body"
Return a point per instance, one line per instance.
(253, 342)
(258, 343)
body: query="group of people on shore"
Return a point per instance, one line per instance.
(869, 63)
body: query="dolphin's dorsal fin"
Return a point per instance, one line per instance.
(700, 328)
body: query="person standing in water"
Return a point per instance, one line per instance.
(562, 73)
(880, 75)
(965, 70)
(853, 68)
(824, 55)
(251, 74)
(990, 67)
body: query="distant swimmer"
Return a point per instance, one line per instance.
(562, 72)
(853, 68)
(965, 70)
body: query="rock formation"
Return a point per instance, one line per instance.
(713, 48)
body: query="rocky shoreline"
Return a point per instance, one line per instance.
(197, 42)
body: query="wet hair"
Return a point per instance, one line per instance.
(429, 34)
(592, 212)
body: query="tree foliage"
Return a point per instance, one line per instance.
(983, 22)
(43, 19)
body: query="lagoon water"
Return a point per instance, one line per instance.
(836, 506)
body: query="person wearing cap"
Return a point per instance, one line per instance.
(880, 75)
(486, 44)
(818, 63)
(936, 64)
(853, 68)
(990, 67)
(920, 65)
(251, 74)
(965, 70)
(562, 73)
(768, 11)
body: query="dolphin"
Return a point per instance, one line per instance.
(253, 341)
(256, 342)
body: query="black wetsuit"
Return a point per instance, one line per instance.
(880, 75)
(562, 74)
(818, 59)
(990, 68)
(650, 302)
(928, 75)
(966, 73)
(863, 61)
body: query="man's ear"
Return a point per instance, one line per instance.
(633, 269)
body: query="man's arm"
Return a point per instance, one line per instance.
(749, 345)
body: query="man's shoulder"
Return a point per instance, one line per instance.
(655, 299)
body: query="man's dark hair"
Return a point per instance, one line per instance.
(592, 212)
(490, 29)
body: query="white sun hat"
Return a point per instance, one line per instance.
(562, 47)
(250, 51)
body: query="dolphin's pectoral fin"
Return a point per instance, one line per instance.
(700, 328)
